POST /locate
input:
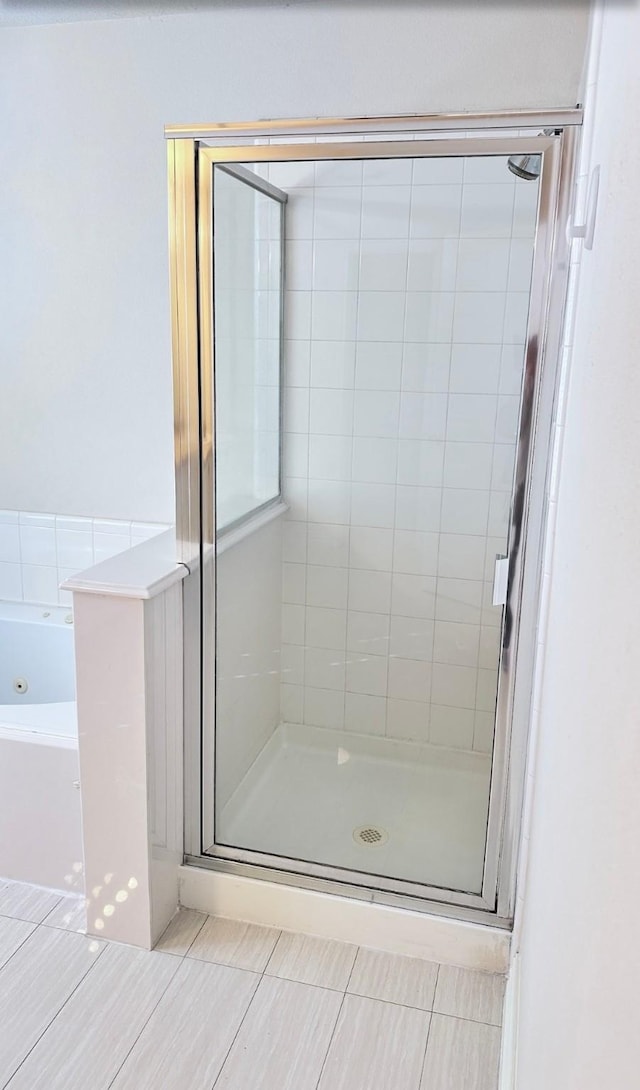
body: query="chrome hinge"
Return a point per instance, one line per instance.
(500, 580)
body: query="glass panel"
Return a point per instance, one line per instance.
(247, 302)
(358, 647)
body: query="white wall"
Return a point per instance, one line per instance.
(86, 388)
(577, 932)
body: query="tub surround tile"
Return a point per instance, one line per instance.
(39, 551)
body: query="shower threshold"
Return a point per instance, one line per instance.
(374, 805)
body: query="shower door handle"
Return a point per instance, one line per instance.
(500, 580)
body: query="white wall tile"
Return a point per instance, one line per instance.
(479, 317)
(487, 211)
(368, 633)
(411, 638)
(370, 548)
(464, 511)
(332, 364)
(40, 584)
(296, 409)
(451, 726)
(107, 545)
(432, 264)
(326, 587)
(324, 707)
(483, 264)
(10, 581)
(440, 171)
(409, 679)
(420, 462)
(418, 508)
(381, 316)
(408, 720)
(425, 368)
(378, 366)
(373, 505)
(435, 211)
(74, 548)
(339, 172)
(293, 583)
(471, 418)
(383, 264)
(454, 686)
(459, 600)
(487, 168)
(331, 412)
(328, 545)
(365, 714)
(367, 674)
(9, 543)
(413, 595)
(297, 315)
(516, 315)
(38, 545)
(293, 622)
(295, 454)
(503, 465)
(415, 552)
(520, 264)
(292, 664)
(461, 556)
(475, 368)
(507, 419)
(336, 264)
(298, 263)
(291, 703)
(333, 315)
(370, 591)
(525, 210)
(376, 414)
(423, 416)
(456, 644)
(486, 690)
(297, 363)
(511, 369)
(374, 460)
(385, 211)
(337, 213)
(330, 457)
(324, 668)
(387, 172)
(429, 316)
(328, 501)
(326, 627)
(468, 465)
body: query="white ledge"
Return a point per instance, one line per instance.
(141, 572)
(228, 538)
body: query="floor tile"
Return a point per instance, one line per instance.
(283, 1039)
(181, 932)
(461, 1055)
(92, 1035)
(312, 961)
(394, 978)
(376, 1046)
(12, 934)
(35, 984)
(233, 942)
(23, 902)
(70, 914)
(466, 994)
(188, 1036)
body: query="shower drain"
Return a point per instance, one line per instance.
(370, 835)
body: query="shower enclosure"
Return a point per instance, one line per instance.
(361, 316)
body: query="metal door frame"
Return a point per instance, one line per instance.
(191, 152)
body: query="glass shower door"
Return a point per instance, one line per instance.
(360, 632)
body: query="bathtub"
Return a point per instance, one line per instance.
(40, 819)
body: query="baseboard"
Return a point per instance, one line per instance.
(509, 1045)
(380, 927)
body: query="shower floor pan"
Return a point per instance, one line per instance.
(368, 804)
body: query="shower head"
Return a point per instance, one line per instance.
(528, 167)
(525, 166)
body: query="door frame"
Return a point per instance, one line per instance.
(191, 153)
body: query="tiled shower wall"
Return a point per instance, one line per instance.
(38, 551)
(406, 307)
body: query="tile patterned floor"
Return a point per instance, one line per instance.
(231, 1006)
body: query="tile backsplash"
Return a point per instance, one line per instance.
(39, 551)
